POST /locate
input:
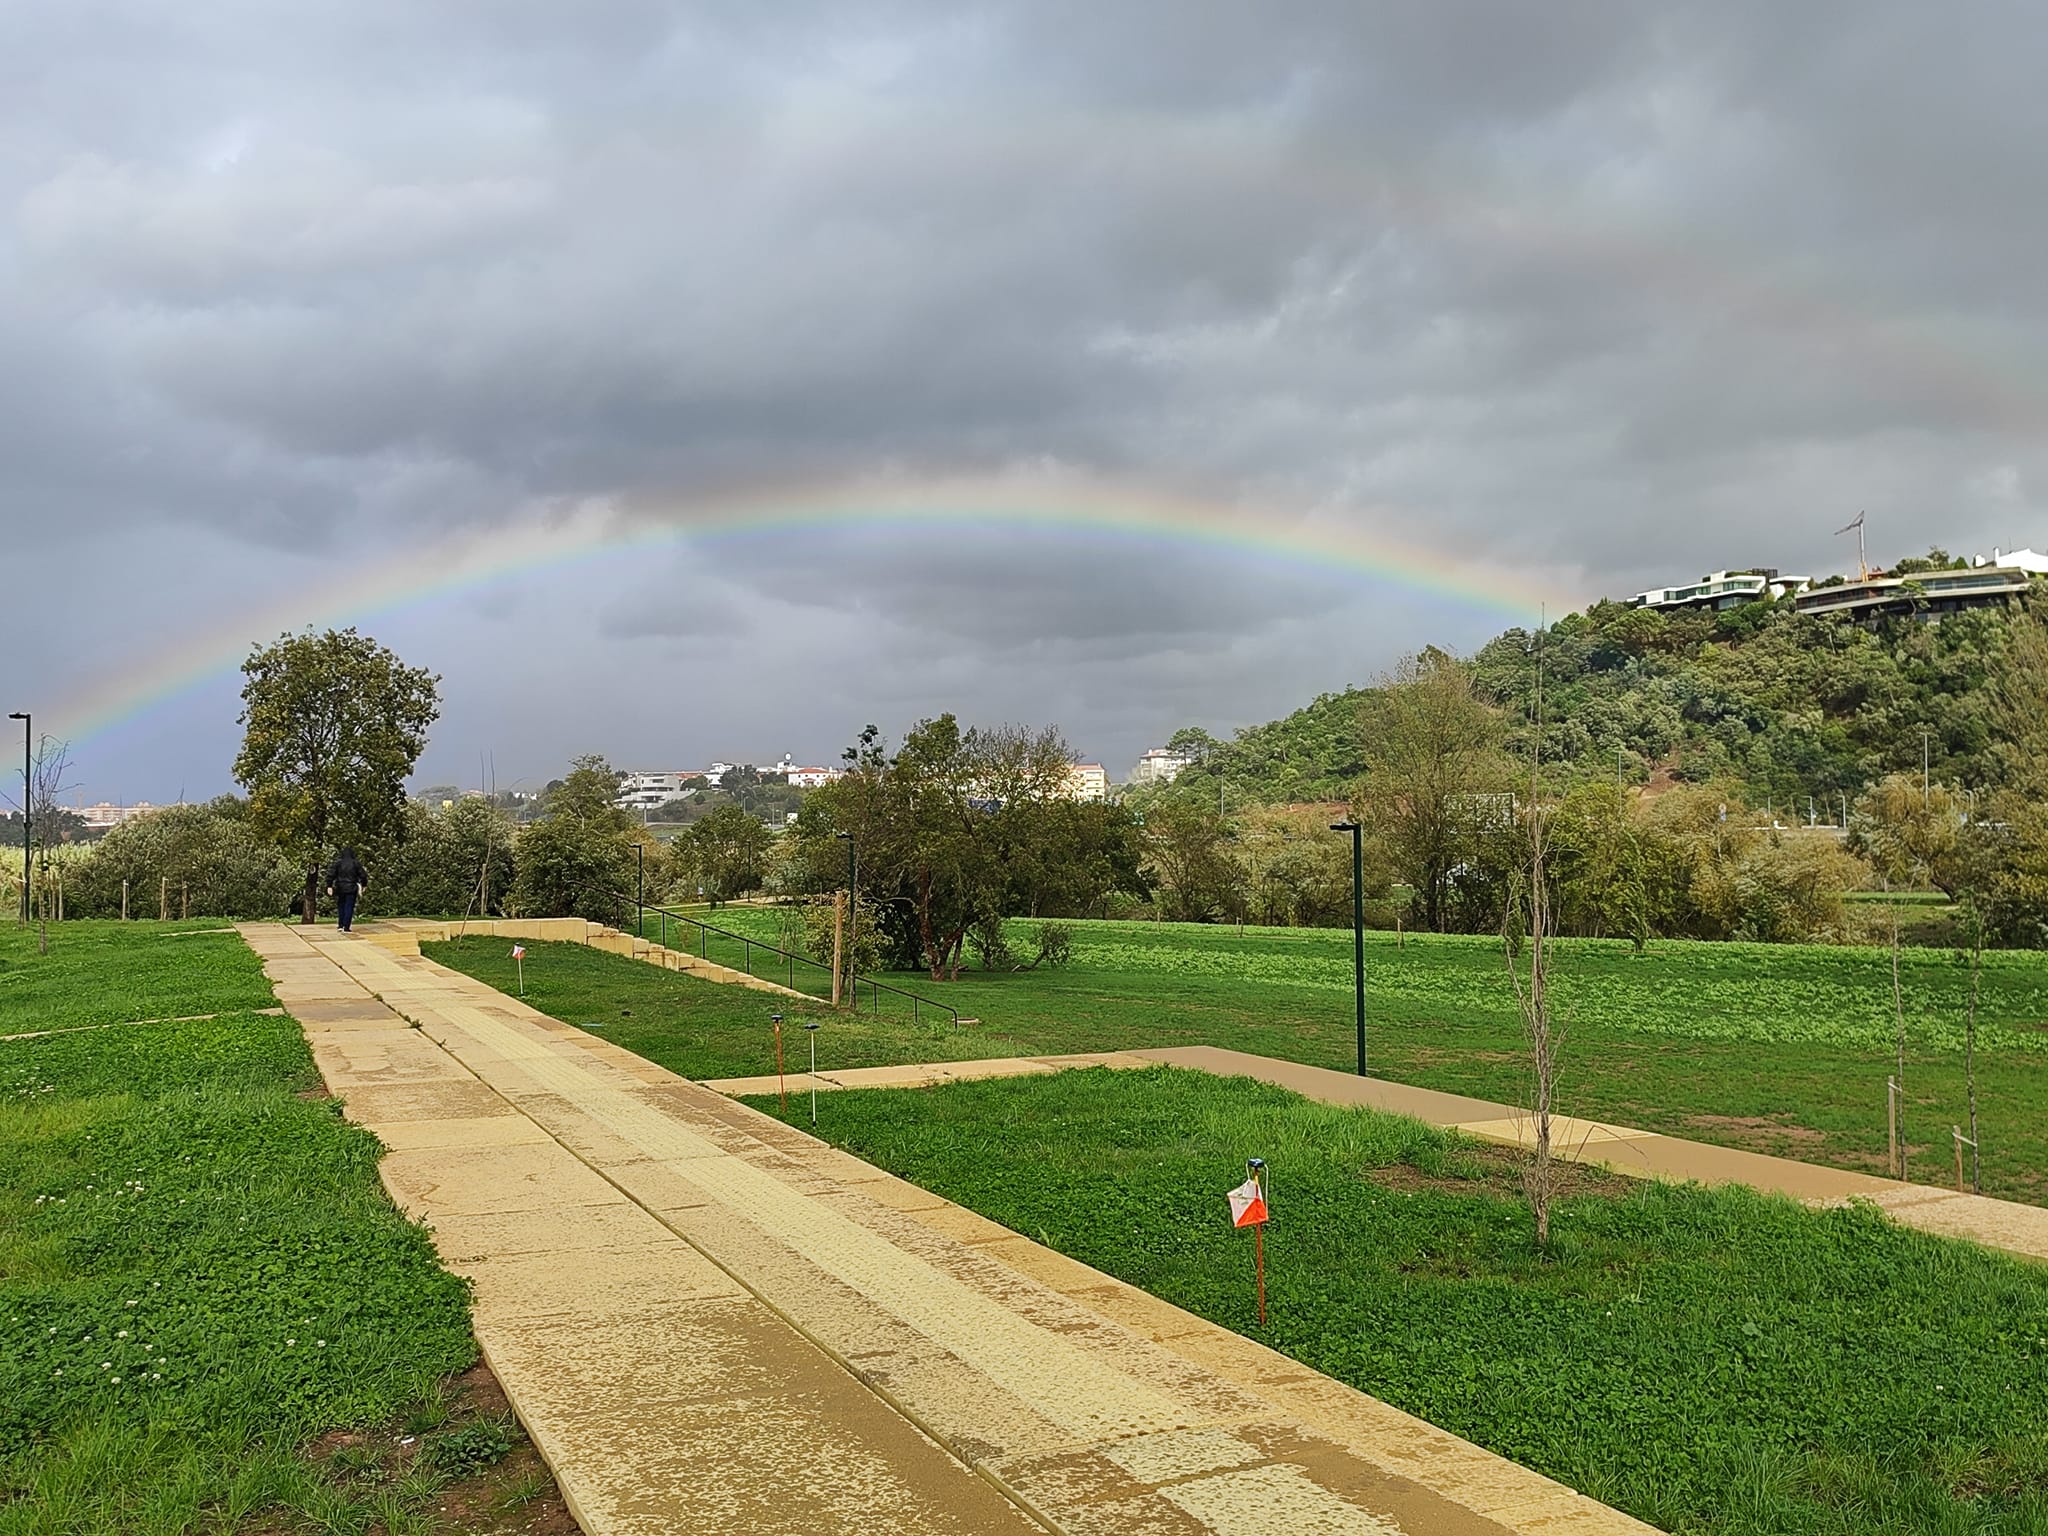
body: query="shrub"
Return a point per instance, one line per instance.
(989, 945)
(208, 850)
(1055, 945)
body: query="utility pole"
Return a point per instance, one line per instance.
(28, 796)
(1357, 831)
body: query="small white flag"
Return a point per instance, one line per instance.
(518, 951)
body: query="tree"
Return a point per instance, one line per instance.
(1188, 853)
(456, 861)
(726, 851)
(1435, 774)
(333, 726)
(207, 853)
(576, 859)
(951, 829)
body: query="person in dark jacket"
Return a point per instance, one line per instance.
(346, 880)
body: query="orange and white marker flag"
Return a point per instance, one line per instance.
(518, 951)
(1247, 1204)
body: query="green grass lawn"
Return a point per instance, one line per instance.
(199, 1272)
(1776, 1048)
(1713, 1361)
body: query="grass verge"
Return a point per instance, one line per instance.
(1713, 1361)
(202, 1283)
(1775, 1048)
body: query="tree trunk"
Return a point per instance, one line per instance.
(310, 905)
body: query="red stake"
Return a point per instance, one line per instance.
(1259, 1248)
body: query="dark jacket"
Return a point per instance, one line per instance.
(346, 874)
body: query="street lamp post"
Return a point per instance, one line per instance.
(640, 893)
(852, 914)
(27, 802)
(1357, 831)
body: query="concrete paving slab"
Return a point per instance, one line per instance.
(670, 1283)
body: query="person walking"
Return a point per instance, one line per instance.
(346, 879)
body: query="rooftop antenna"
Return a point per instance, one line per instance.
(1862, 565)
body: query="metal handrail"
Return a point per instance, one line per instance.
(917, 1002)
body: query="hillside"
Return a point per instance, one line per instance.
(1787, 706)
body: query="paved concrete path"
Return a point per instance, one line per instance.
(2017, 1228)
(712, 1323)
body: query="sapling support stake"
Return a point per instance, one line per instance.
(811, 1029)
(1256, 1167)
(781, 1086)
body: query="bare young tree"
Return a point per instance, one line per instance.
(1532, 990)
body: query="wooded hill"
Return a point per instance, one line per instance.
(1782, 705)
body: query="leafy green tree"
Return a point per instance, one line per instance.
(1437, 777)
(456, 861)
(955, 827)
(726, 852)
(333, 724)
(1188, 855)
(576, 859)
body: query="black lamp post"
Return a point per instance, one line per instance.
(27, 802)
(1357, 831)
(852, 914)
(640, 892)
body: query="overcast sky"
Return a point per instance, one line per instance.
(1572, 298)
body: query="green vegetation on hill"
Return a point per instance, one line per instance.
(1713, 1361)
(1781, 705)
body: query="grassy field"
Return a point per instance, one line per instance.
(1776, 1048)
(1713, 1361)
(211, 1317)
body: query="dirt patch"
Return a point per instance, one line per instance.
(496, 1480)
(1743, 1129)
(1491, 1170)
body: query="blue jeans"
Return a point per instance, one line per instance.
(345, 908)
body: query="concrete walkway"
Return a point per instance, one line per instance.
(713, 1323)
(2017, 1228)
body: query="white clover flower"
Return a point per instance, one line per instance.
(288, 1343)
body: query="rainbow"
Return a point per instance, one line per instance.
(564, 536)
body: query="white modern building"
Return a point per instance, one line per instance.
(1087, 781)
(1159, 766)
(646, 791)
(1721, 589)
(105, 816)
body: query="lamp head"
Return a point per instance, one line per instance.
(810, 1023)
(776, 1017)
(18, 715)
(847, 836)
(1343, 826)
(1255, 1162)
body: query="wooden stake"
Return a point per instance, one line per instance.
(163, 900)
(1891, 1114)
(124, 901)
(185, 898)
(838, 944)
(1957, 1132)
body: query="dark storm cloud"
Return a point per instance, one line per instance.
(1612, 291)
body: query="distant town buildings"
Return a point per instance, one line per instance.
(1087, 781)
(1159, 766)
(105, 817)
